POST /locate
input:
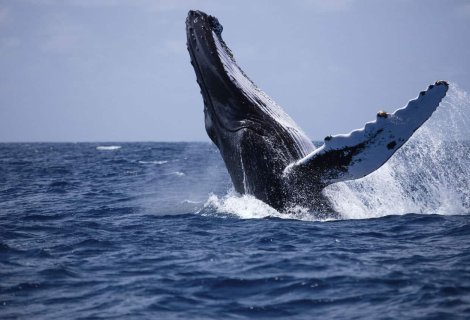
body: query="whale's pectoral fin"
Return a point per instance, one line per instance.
(355, 155)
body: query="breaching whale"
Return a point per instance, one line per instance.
(266, 154)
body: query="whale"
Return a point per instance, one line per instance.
(266, 153)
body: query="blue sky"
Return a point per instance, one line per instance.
(110, 70)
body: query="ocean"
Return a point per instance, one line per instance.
(154, 231)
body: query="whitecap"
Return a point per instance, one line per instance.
(154, 162)
(177, 173)
(190, 201)
(108, 147)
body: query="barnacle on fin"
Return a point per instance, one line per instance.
(441, 82)
(382, 114)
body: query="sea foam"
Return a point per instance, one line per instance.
(248, 207)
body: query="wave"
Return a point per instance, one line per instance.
(153, 162)
(108, 147)
(187, 201)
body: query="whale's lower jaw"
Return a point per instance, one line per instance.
(266, 154)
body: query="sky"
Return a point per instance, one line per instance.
(118, 70)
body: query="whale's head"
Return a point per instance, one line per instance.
(223, 111)
(251, 131)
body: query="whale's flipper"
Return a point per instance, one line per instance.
(355, 155)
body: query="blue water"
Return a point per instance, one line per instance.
(152, 231)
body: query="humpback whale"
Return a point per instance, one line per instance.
(266, 154)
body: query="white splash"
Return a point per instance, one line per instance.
(248, 207)
(429, 174)
(108, 147)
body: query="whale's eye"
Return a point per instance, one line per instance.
(209, 125)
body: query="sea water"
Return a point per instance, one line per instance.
(155, 231)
